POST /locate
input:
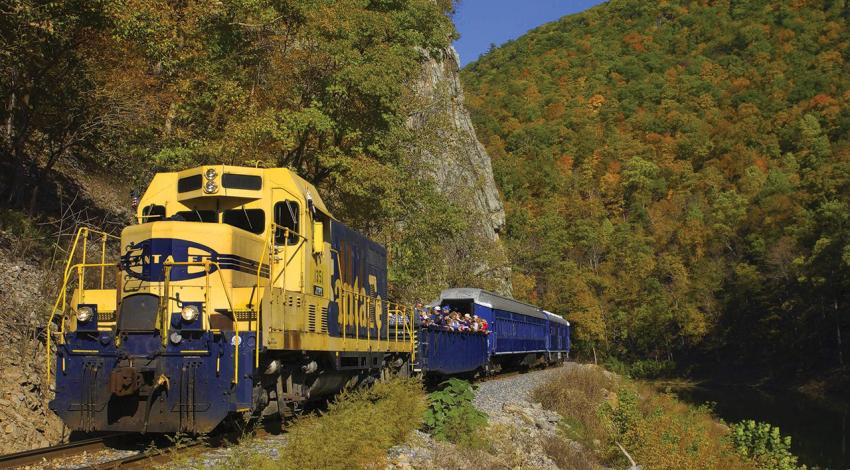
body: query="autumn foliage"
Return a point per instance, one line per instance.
(677, 176)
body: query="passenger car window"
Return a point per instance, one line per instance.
(287, 214)
(252, 220)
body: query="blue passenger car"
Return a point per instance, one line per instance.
(520, 335)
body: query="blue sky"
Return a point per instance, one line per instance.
(485, 22)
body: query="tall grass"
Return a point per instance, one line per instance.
(658, 431)
(355, 432)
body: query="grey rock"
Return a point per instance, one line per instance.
(456, 161)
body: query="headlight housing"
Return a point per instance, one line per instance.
(84, 314)
(210, 173)
(190, 312)
(210, 187)
(176, 337)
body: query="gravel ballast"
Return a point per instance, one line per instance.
(492, 395)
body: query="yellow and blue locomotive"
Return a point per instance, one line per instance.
(236, 293)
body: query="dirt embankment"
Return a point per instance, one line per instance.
(33, 248)
(25, 421)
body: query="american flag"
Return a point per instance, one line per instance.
(134, 199)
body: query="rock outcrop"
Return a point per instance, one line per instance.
(458, 162)
(25, 420)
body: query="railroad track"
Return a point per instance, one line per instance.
(143, 453)
(141, 458)
(146, 459)
(37, 456)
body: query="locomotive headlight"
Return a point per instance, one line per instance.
(189, 312)
(84, 314)
(210, 173)
(210, 187)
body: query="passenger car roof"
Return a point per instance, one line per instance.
(489, 299)
(556, 318)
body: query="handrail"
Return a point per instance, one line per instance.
(62, 295)
(206, 264)
(350, 302)
(269, 250)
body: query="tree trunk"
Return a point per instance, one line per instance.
(16, 186)
(9, 138)
(593, 347)
(10, 110)
(838, 335)
(33, 198)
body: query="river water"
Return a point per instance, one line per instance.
(818, 428)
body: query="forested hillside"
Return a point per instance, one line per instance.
(677, 177)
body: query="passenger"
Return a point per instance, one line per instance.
(455, 321)
(441, 318)
(485, 327)
(476, 324)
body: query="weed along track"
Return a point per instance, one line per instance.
(124, 450)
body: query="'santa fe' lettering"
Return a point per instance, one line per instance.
(146, 260)
(355, 306)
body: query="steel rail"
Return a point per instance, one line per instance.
(32, 456)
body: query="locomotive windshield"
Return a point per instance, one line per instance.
(252, 220)
(197, 216)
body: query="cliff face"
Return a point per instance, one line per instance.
(459, 164)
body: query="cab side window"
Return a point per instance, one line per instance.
(153, 213)
(286, 214)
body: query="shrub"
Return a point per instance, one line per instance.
(616, 366)
(29, 240)
(576, 394)
(567, 455)
(640, 369)
(659, 432)
(764, 445)
(355, 432)
(649, 369)
(452, 417)
(663, 433)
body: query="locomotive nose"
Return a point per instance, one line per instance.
(138, 313)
